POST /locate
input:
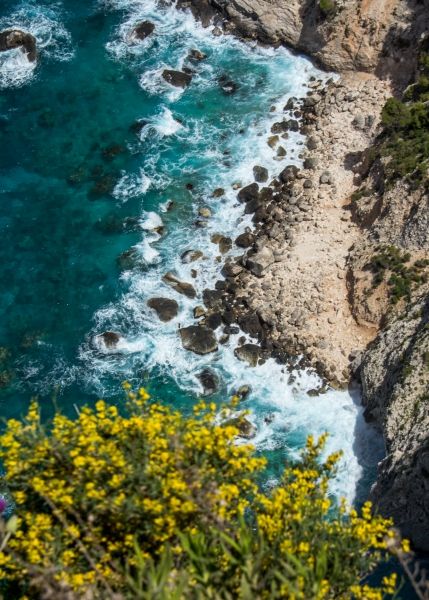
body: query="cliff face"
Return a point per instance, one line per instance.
(377, 36)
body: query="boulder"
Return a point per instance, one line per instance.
(250, 192)
(209, 381)
(251, 324)
(257, 263)
(213, 321)
(212, 298)
(225, 244)
(199, 311)
(273, 140)
(190, 256)
(196, 55)
(182, 287)
(249, 353)
(107, 341)
(198, 339)
(245, 240)
(280, 127)
(15, 38)
(260, 174)
(142, 30)
(245, 427)
(218, 193)
(243, 391)
(289, 173)
(177, 78)
(166, 308)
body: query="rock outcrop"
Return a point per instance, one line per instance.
(15, 38)
(377, 36)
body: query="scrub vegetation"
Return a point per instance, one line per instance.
(152, 504)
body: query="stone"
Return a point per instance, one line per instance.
(212, 298)
(182, 287)
(199, 311)
(231, 269)
(218, 193)
(251, 324)
(217, 31)
(205, 212)
(213, 321)
(196, 55)
(260, 174)
(245, 240)
(107, 341)
(243, 391)
(250, 192)
(249, 353)
(166, 308)
(289, 173)
(177, 78)
(225, 244)
(142, 30)
(258, 262)
(15, 38)
(190, 256)
(244, 426)
(359, 122)
(326, 177)
(273, 140)
(198, 339)
(311, 163)
(209, 380)
(281, 152)
(279, 127)
(312, 143)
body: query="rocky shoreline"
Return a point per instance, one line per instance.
(309, 282)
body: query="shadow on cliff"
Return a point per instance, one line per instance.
(398, 58)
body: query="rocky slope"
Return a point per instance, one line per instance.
(336, 267)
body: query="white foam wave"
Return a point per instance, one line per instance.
(53, 41)
(131, 186)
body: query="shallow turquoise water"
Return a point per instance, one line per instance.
(80, 184)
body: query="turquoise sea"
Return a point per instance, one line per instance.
(94, 147)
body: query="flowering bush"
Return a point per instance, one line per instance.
(150, 504)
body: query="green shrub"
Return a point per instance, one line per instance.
(152, 505)
(328, 7)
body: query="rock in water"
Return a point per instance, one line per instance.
(245, 427)
(200, 340)
(177, 78)
(209, 381)
(260, 174)
(107, 341)
(248, 193)
(142, 30)
(166, 308)
(248, 353)
(182, 287)
(15, 38)
(197, 55)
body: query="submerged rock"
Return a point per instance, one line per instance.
(15, 38)
(182, 287)
(177, 78)
(209, 381)
(166, 308)
(198, 339)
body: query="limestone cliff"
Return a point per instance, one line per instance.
(344, 35)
